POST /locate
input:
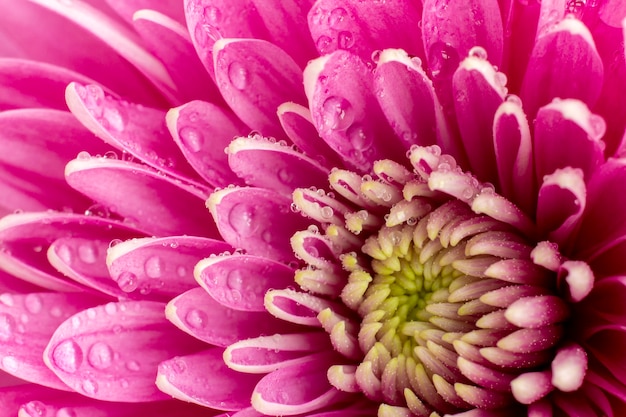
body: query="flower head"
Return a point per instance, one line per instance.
(421, 211)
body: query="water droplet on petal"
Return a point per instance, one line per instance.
(127, 281)
(7, 299)
(285, 176)
(212, 14)
(67, 356)
(66, 412)
(90, 387)
(33, 409)
(100, 355)
(7, 326)
(345, 39)
(10, 364)
(33, 303)
(133, 366)
(337, 16)
(196, 319)
(154, 267)
(181, 271)
(358, 138)
(443, 59)
(238, 75)
(87, 253)
(478, 52)
(192, 138)
(598, 127)
(234, 280)
(512, 98)
(337, 113)
(323, 44)
(116, 118)
(83, 156)
(241, 219)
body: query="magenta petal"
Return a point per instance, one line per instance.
(567, 134)
(159, 268)
(605, 299)
(32, 84)
(452, 28)
(98, 36)
(536, 312)
(169, 41)
(204, 379)
(127, 8)
(241, 281)
(561, 203)
(362, 28)
(195, 312)
(202, 131)
(275, 166)
(303, 388)
(478, 92)
(84, 261)
(407, 97)
(12, 397)
(268, 353)
(255, 77)
(564, 63)
(256, 220)
(26, 237)
(27, 322)
(345, 111)
(55, 137)
(298, 307)
(146, 199)
(111, 352)
(298, 125)
(132, 128)
(512, 143)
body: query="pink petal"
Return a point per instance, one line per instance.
(127, 8)
(132, 128)
(169, 41)
(55, 137)
(137, 74)
(156, 203)
(111, 352)
(241, 281)
(204, 379)
(256, 220)
(268, 353)
(569, 368)
(514, 157)
(159, 268)
(345, 110)
(255, 77)
(26, 324)
(478, 91)
(202, 131)
(531, 387)
(12, 397)
(298, 125)
(195, 312)
(564, 63)
(362, 28)
(407, 98)
(452, 28)
(275, 166)
(536, 312)
(84, 260)
(297, 307)
(31, 84)
(12, 284)
(304, 388)
(567, 134)
(26, 238)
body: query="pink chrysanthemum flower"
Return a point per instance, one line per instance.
(426, 219)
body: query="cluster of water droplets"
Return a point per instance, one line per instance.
(337, 34)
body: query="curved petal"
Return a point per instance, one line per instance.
(127, 8)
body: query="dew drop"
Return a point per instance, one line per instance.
(443, 59)
(56, 311)
(337, 113)
(83, 156)
(116, 118)
(87, 253)
(110, 155)
(285, 176)
(7, 326)
(94, 100)
(66, 412)
(238, 75)
(191, 138)
(110, 308)
(598, 127)
(345, 39)
(10, 364)
(67, 356)
(196, 319)
(376, 56)
(212, 14)
(234, 281)
(478, 52)
(337, 16)
(241, 219)
(133, 366)
(154, 267)
(200, 35)
(33, 303)
(178, 365)
(512, 98)
(324, 44)
(90, 387)
(127, 281)
(267, 236)
(100, 355)
(124, 383)
(327, 212)
(358, 138)
(181, 271)
(32, 409)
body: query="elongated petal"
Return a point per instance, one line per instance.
(27, 237)
(275, 166)
(195, 312)
(564, 63)
(157, 200)
(362, 28)
(202, 131)
(134, 129)
(127, 8)
(204, 379)
(255, 77)
(241, 281)
(111, 352)
(256, 220)
(169, 41)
